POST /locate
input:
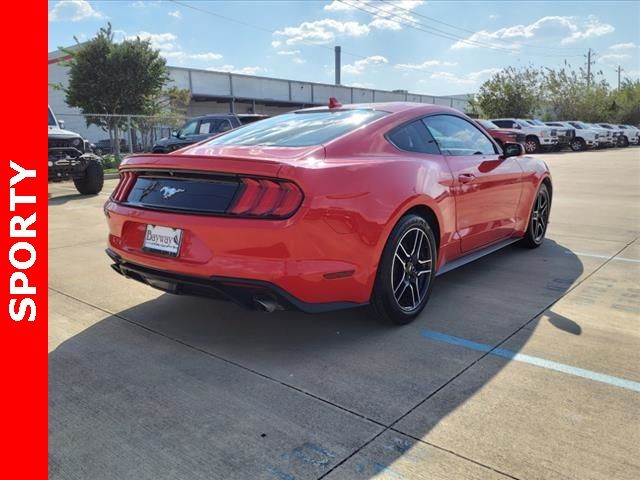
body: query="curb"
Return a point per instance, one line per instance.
(111, 176)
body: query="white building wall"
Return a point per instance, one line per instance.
(264, 91)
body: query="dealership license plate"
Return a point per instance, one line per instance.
(163, 240)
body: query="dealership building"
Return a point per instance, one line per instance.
(225, 92)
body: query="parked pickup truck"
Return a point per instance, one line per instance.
(502, 135)
(605, 136)
(620, 140)
(583, 136)
(201, 128)
(632, 133)
(565, 133)
(536, 137)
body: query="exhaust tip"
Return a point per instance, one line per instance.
(266, 304)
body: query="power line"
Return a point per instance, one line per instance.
(469, 31)
(403, 19)
(257, 27)
(265, 29)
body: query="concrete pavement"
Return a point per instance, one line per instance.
(146, 385)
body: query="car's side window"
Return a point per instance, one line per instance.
(414, 137)
(189, 128)
(222, 126)
(456, 136)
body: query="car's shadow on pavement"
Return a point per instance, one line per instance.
(63, 199)
(183, 387)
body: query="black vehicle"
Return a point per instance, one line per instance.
(201, 128)
(71, 158)
(105, 146)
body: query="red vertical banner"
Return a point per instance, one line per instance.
(23, 326)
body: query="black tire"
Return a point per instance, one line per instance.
(532, 144)
(536, 230)
(384, 305)
(578, 145)
(93, 179)
(624, 142)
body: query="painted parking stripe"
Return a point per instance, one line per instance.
(537, 361)
(606, 257)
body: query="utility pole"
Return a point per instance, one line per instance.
(589, 63)
(338, 67)
(619, 71)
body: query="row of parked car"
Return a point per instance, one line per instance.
(537, 136)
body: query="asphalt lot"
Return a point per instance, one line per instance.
(525, 364)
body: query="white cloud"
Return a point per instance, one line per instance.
(388, 15)
(170, 49)
(549, 26)
(161, 41)
(426, 65)
(74, 11)
(623, 46)
(613, 59)
(358, 67)
(466, 79)
(493, 16)
(175, 14)
(288, 52)
(298, 60)
(320, 31)
(180, 56)
(592, 28)
(337, 6)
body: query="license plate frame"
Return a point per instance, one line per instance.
(162, 240)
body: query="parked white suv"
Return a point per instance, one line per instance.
(536, 136)
(585, 137)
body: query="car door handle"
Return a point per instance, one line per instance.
(466, 177)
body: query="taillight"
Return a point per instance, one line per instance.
(124, 186)
(266, 198)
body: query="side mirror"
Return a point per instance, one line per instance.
(512, 150)
(515, 125)
(61, 123)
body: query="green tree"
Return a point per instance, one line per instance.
(112, 78)
(627, 102)
(167, 108)
(568, 95)
(512, 92)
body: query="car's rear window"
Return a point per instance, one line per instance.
(300, 129)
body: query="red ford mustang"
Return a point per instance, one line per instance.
(326, 208)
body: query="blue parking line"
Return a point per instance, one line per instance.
(537, 361)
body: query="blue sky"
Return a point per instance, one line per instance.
(431, 47)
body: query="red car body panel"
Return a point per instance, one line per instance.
(356, 188)
(505, 135)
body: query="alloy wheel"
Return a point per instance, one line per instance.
(531, 146)
(540, 216)
(411, 269)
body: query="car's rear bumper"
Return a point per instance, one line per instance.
(251, 293)
(303, 255)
